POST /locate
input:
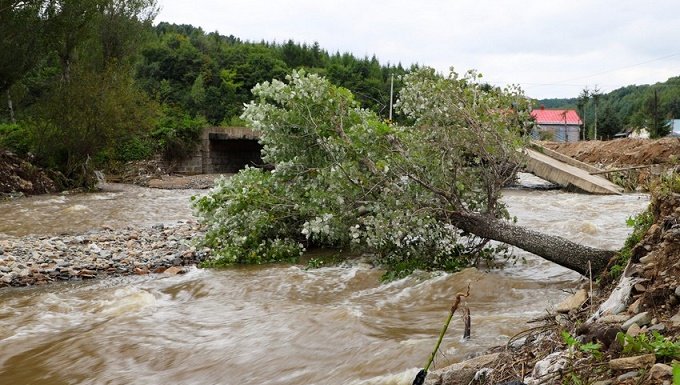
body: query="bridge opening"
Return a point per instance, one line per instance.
(229, 155)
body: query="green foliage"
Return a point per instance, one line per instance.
(177, 133)
(15, 137)
(315, 263)
(91, 113)
(640, 224)
(608, 122)
(59, 55)
(546, 135)
(363, 184)
(69, 74)
(589, 348)
(22, 43)
(134, 148)
(667, 184)
(251, 220)
(213, 75)
(676, 374)
(661, 346)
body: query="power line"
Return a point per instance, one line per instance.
(620, 68)
(563, 83)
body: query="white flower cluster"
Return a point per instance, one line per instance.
(317, 226)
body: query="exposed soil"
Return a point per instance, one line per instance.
(621, 152)
(19, 177)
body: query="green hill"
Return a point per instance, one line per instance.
(633, 106)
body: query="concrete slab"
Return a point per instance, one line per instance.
(564, 174)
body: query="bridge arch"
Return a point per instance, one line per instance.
(223, 150)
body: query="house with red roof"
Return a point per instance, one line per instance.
(557, 125)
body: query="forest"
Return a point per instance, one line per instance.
(88, 84)
(631, 107)
(92, 84)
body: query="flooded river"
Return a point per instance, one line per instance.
(272, 324)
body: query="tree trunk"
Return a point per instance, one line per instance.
(10, 107)
(556, 249)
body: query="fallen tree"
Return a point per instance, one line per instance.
(420, 195)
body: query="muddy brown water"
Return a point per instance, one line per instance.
(271, 324)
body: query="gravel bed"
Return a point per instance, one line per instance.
(38, 260)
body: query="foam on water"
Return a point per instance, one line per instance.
(402, 378)
(126, 301)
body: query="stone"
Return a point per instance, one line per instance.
(627, 376)
(552, 363)
(633, 330)
(660, 372)
(676, 320)
(461, 373)
(640, 288)
(649, 258)
(635, 307)
(603, 382)
(641, 319)
(174, 270)
(658, 327)
(636, 362)
(677, 291)
(574, 302)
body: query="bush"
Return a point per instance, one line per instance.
(135, 148)
(178, 133)
(546, 135)
(250, 220)
(15, 137)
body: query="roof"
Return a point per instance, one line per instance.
(544, 116)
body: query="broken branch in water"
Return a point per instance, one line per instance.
(420, 377)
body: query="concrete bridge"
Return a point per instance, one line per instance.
(223, 150)
(565, 171)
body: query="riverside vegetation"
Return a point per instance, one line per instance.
(424, 195)
(92, 84)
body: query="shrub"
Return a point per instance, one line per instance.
(177, 133)
(15, 137)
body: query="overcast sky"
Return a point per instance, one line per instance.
(551, 48)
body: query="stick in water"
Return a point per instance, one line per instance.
(420, 377)
(466, 320)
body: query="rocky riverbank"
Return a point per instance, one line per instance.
(618, 333)
(37, 260)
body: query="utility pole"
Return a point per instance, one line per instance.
(391, 95)
(596, 98)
